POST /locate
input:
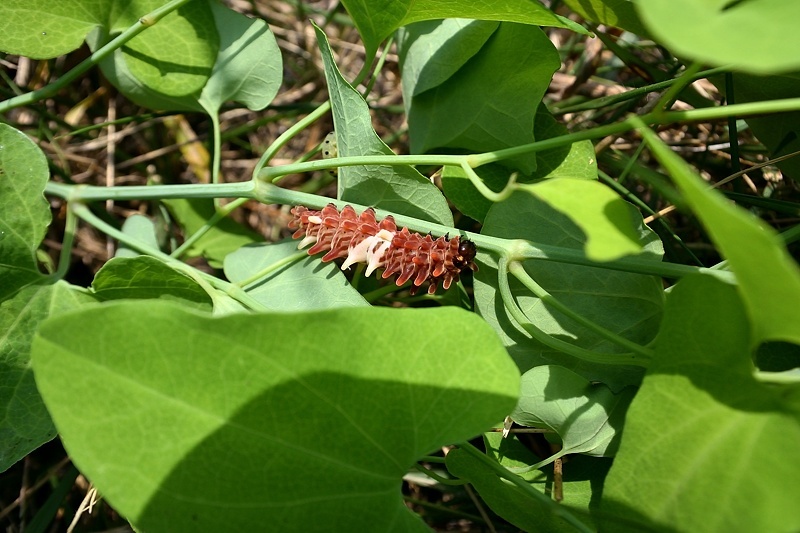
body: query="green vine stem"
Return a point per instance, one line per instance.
(519, 272)
(306, 121)
(678, 84)
(264, 272)
(267, 193)
(635, 359)
(555, 508)
(632, 94)
(218, 215)
(50, 90)
(70, 229)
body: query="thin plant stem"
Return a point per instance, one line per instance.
(277, 265)
(442, 509)
(485, 191)
(206, 281)
(537, 334)
(678, 84)
(610, 100)
(218, 215)
(64, 258)
(298, 127)
(284, 138)
(479, 506)
(267, 193)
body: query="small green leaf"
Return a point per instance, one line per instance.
(376, 20)
(41, 29)
(146, 277)
(399, 189)
(587, 417)
(737, 466)
(248, 68)
(757, 36)
(625, 303)
(143, 230)
(491, 102)
(304, 421)
(225, 237)
(767, 276)
(618, 13)
(305, 285)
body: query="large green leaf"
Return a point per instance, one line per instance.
(289, 422)
(587, 417)
(472, 110)
(758, 36)
(399, 189)
(42, 29)
(768, 277)
(174, 57)
(706, 447)
(203, 53)
(376, 20)
(304, 285)
(24, 421)
(625, 303)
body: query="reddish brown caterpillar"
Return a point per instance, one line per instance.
(362, 239)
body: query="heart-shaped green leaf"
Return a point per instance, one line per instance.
(286, 422)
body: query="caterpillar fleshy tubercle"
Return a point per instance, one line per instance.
(402, 253)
